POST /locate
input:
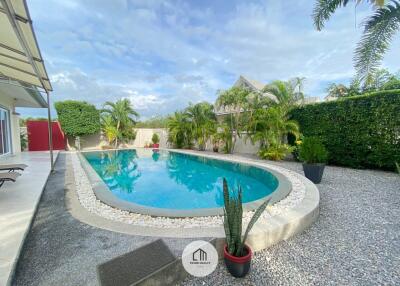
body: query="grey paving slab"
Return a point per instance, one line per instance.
(132, 267)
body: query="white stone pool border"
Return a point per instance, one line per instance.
(282, 220)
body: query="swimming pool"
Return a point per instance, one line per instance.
(161, 182)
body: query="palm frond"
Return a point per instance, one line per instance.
(379, 30)
(323, 11)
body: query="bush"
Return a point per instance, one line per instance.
(275, 152)
(155, 138)
(361, 131)
(78, 118)
(312, 151)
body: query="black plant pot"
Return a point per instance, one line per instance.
(238, 266)
(314, 172)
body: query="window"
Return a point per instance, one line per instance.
(5, 141)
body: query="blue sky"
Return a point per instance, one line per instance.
(164, 54)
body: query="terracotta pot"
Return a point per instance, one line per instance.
(238, 266)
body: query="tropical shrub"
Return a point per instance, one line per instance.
(122, 117)
(398, 168)
(78, 118)
(180, 133)
(155, 138)
(361, 131)
(203, 122)
(24, 141)
(233, 213)
(312, 151)
(275, 152)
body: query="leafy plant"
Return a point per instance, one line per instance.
(398, 167)
(275, 152)
(233, 213)
(78, 118)
(180, 133)
(122, 116)
(312, 151)
(203, 122)
(155, 138)
(235, 101)
(109, 129)
(24, 141)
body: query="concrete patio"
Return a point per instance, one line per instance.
(18, 203)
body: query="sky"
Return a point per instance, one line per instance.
(164, 54)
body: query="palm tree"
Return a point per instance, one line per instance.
(203, 121)
(123, 115)
(298, 85)
(234, 100)
(379, 30)
(271, 125)
(285, 92)
(179, 130)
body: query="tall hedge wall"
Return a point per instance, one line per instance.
(360, 132)
(78, 118)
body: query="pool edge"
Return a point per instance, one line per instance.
(104, 194)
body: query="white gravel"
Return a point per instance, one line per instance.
(355, 241)
(88, 200)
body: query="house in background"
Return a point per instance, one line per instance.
(245, 83)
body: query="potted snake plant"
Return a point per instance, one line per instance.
(314, 156)
(237, 254)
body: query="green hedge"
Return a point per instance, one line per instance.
(78, 118)
(360, 132)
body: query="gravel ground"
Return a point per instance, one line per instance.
(60, 250)
(356, 240)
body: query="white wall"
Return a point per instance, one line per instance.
(8, 103)
(143, 136)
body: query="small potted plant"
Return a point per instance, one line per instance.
(155, 139)
(314, 155)
(237, 254)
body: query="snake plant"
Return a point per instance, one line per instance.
(233, 212)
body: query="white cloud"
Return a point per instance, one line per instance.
(168, 53)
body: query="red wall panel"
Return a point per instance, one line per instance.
(38, 136)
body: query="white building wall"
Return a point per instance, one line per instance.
(8, 103)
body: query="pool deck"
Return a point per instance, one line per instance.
(18, 202)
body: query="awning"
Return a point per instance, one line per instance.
(20, 57)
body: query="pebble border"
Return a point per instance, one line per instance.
(89, 201)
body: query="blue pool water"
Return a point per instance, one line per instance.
(163, 179)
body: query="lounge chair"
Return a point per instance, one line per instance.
(13, 167)
(4, 177)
